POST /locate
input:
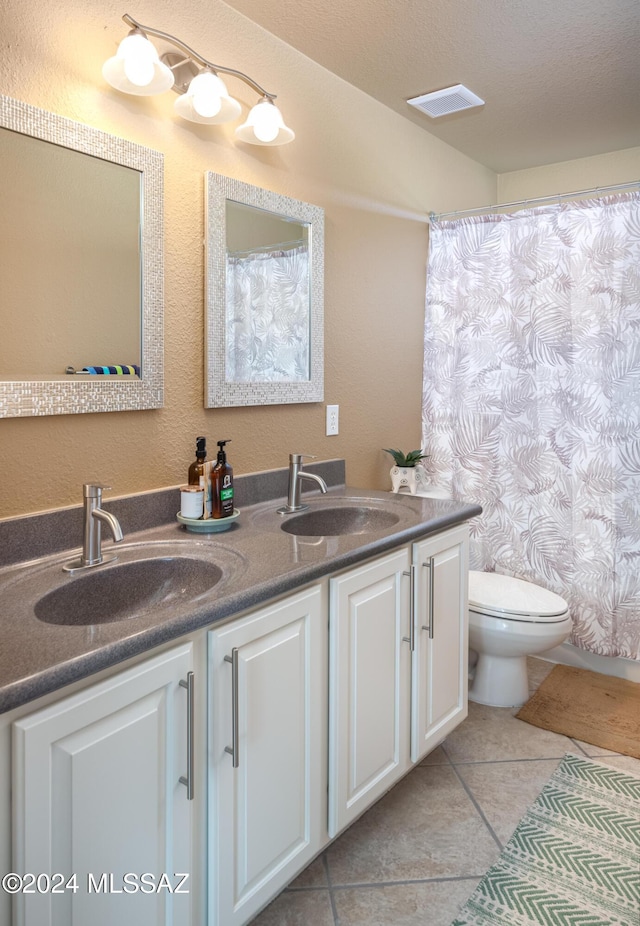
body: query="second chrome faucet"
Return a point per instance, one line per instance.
(296, 475)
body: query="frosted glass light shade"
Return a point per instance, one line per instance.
(265, 126)
(207, 101)
(136, 67)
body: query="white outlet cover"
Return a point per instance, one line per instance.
(332, 420)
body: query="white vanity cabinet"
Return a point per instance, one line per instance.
(398, 656)
(97, 793)
(439, 676)
(370, 665)
(314, 705)
(267, 752)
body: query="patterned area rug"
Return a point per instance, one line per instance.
(574, 859)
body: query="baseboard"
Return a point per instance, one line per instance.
(570, 655)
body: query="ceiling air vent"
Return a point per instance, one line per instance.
(444, 102)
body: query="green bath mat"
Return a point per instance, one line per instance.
(574, 859)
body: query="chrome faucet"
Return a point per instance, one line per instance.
(296, 475)
(94, 515)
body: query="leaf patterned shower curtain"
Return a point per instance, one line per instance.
(268, 316)
(531, 402)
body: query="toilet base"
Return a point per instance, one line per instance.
(500, 681)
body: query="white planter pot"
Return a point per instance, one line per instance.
(412, 478)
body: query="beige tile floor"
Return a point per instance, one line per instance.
(415, 857)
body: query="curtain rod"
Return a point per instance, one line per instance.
(433, 217)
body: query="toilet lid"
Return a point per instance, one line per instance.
(506, 597)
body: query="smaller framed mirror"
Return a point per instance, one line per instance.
(264, 285)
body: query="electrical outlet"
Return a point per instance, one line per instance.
(332, 419)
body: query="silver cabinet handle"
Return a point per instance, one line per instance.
(429, 565)
(411, 639)
(188, 781)
(233, 748)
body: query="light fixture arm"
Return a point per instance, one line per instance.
(130, 21)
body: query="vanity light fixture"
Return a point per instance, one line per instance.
(203, 97)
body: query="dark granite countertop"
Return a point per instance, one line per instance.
(259, 561)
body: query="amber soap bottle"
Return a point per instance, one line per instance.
(198, 473)
(222, 485)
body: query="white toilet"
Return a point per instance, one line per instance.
(510, 619)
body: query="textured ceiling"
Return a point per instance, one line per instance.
(560, 78)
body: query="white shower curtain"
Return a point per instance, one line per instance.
(531, 402)
(268, 316)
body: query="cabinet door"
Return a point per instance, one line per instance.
(440, 657)
(97, 795)
(267, 753)
(368, 685)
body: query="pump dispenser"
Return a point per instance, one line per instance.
(222, 485)
(198, 472)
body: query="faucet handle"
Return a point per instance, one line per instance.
(93, 491)
(298, 457)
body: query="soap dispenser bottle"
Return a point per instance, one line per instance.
(222, 485)
(198, 473)
(197, 467)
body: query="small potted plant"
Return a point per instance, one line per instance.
(407, 472)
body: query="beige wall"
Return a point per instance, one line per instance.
(375, 174)
(570, 176)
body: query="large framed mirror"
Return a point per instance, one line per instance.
(264, 284)
(81, 264)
